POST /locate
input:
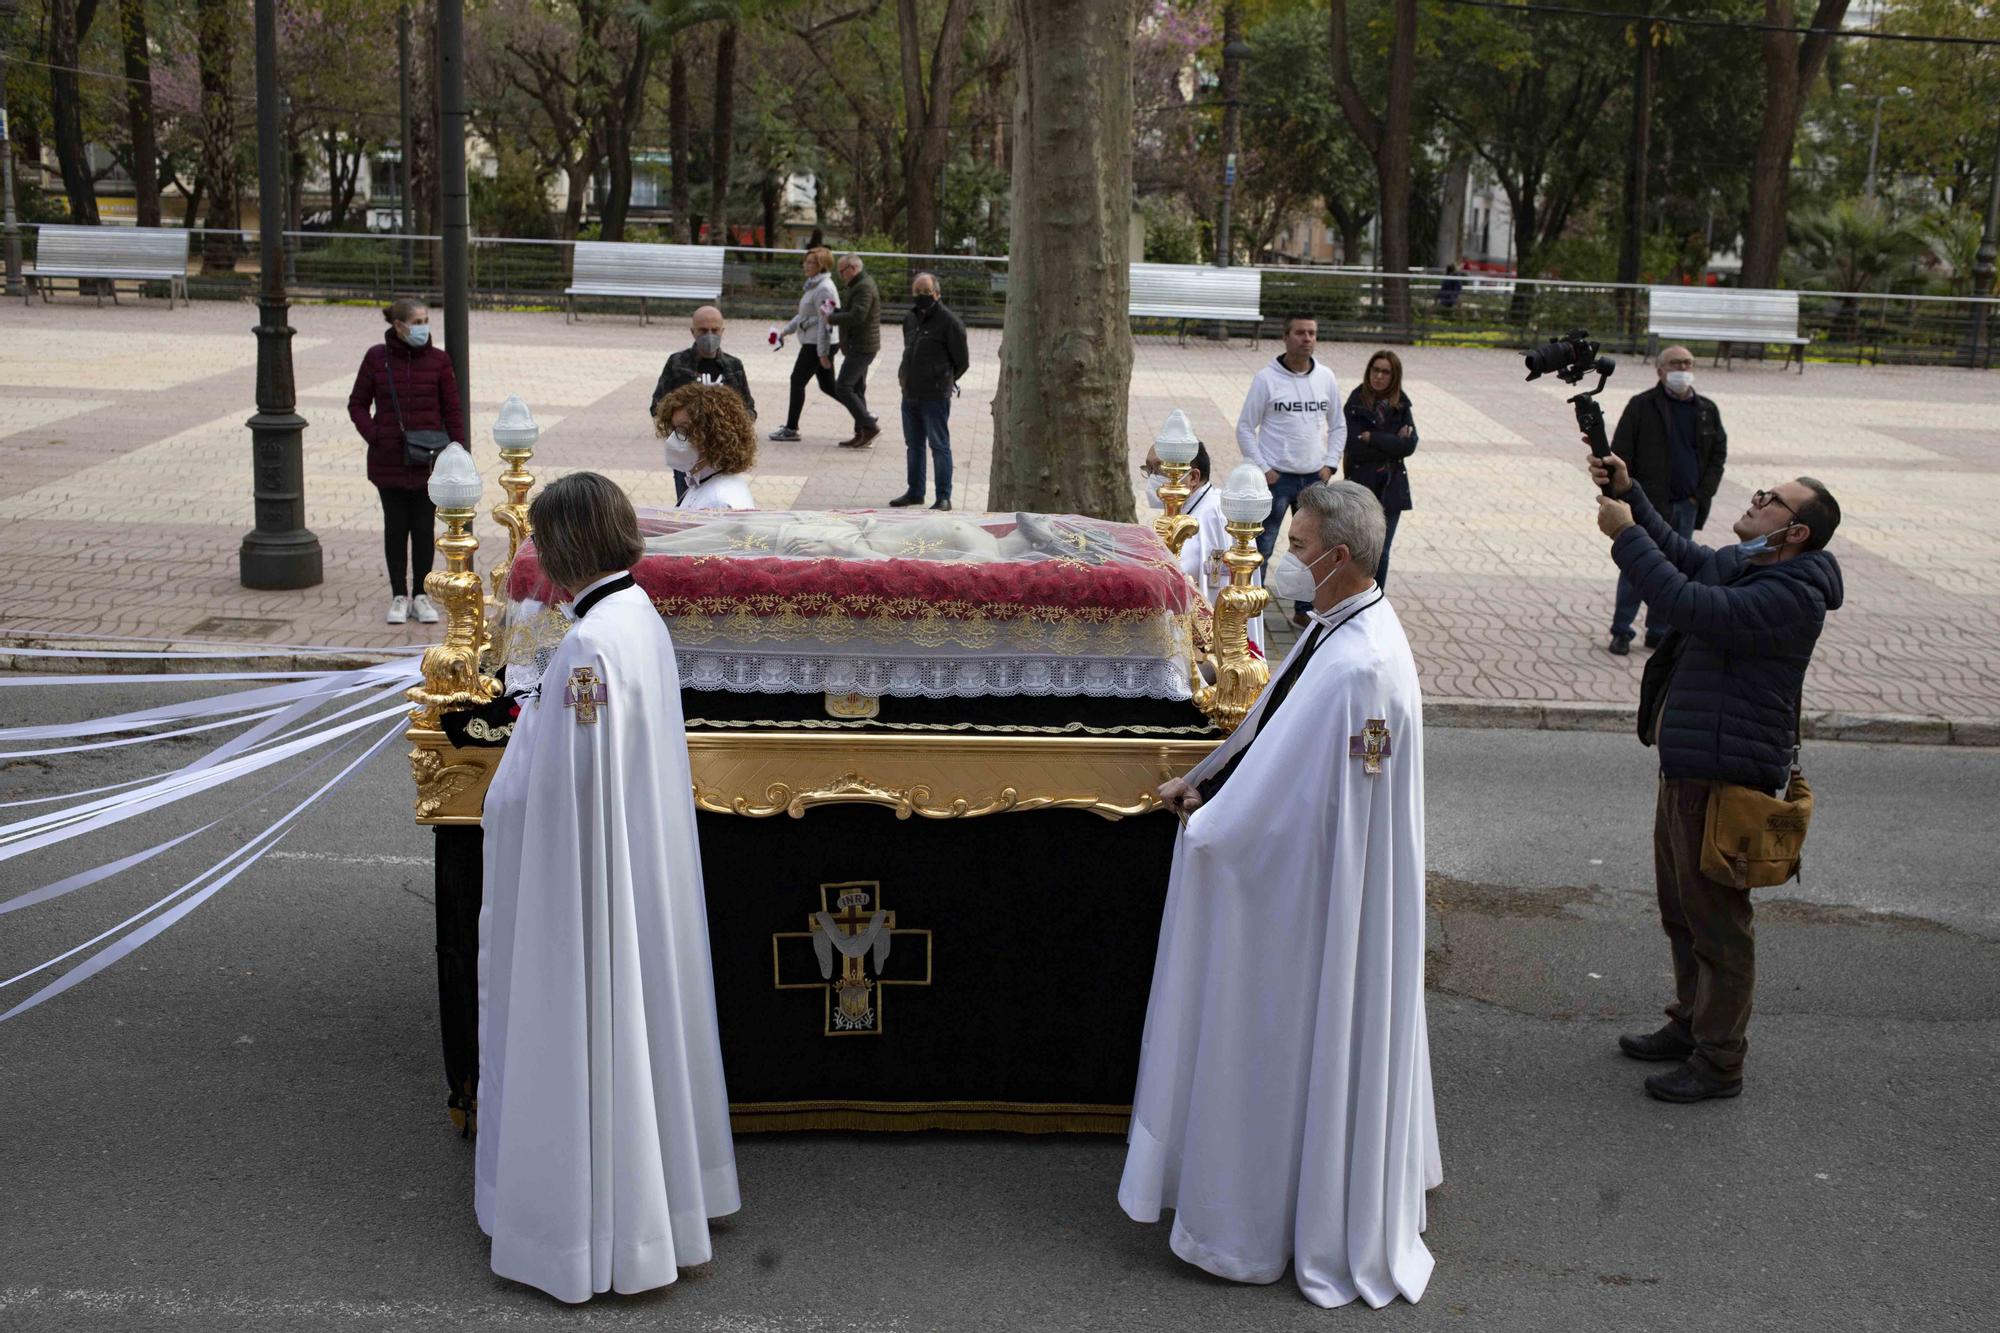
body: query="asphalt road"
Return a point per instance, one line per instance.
(240, 1126)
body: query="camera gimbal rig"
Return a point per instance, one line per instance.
(1569, 359)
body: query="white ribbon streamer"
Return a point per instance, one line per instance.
(249, 853)
(242, 701)
(40, 831)
(84, 879)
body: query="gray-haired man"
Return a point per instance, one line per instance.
(860, 323)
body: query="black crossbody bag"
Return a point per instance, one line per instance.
(420, 447)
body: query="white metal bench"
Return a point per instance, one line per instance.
(1725, 318)
(109, 255)
(635, 268)
(1197, 293)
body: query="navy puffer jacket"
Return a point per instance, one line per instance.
(1749, 632)
(428, 390)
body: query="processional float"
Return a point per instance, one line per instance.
(927, 910)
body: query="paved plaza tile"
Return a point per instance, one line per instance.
(125, 486)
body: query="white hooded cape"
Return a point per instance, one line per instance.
(1284, 1102)
(604, 1143)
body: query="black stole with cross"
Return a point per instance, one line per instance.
(1276, 694)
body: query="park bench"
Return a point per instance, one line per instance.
(1725, 318)
(108, 256)
(1197, 294)
(634, 268)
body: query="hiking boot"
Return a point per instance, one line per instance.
(1666, 1044)
(1685, 1083)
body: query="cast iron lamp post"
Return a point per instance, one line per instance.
(279, 552)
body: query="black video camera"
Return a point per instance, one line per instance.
(1569, 358)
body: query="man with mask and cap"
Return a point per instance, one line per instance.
(1672, 439)
(703, 362)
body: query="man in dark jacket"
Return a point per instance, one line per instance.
(1673, 439)
(702, 362)
(934, 357)
(1743, 621)
(859, 320)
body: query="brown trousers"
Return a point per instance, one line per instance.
(1709, 931)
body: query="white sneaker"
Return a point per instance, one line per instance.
(426, 612)
(399, 610)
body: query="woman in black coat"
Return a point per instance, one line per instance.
(1381, 433)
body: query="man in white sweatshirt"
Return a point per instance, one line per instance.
(1291, 424)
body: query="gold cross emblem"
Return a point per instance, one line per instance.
(1372, 746)
(584, 694)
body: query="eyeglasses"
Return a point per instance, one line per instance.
(1761, 498)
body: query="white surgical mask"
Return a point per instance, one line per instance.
(1680, 382)
(418, 336)
(681, 456)
(1289, 579)
(1153, 496)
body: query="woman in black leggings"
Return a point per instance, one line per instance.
(815, 360)
(405, 384)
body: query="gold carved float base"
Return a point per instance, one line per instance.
(764, 774)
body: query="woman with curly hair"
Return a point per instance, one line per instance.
(710, 437)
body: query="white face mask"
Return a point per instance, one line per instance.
(1290, 580)
(1680, 382)
(681, 456)
(1153, 496)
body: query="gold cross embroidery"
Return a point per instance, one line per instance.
(1371, 747)
(584, 694)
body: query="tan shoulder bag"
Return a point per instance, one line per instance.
(1752, 840)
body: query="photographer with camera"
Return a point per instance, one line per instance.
(1721, 700)
(1672, 439)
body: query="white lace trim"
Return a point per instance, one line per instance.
(936, 678)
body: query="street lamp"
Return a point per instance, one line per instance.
(280, 552)
(1234, 53)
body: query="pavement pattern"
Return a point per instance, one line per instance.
(125, 487)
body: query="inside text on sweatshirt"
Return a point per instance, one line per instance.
(1292, 422)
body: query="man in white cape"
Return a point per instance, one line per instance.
(1284, 1103)
(604, 1142)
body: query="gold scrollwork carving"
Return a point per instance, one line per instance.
(916, 799)
(439, 783)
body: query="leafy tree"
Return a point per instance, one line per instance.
(1791, 63)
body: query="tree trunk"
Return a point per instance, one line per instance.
(1059, 443)
(214, 20)
(926, 117)
(774, 185)
(1790, 66)
(627, 106)
(680, 141)
(139, 112)
(421, 170)
(1451, 214)
(578, 174)
(69, 24)
(1387, 139)
(1632, 241)
(725, 134)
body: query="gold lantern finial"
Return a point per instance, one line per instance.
(515, 432)
(1238, 675)
(1176, 445)
(452, 676)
